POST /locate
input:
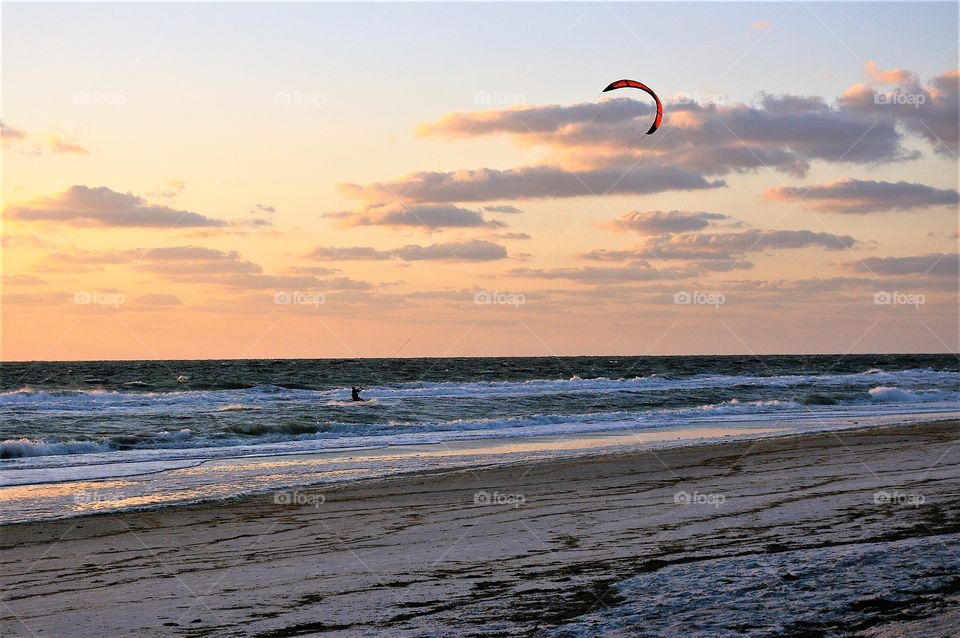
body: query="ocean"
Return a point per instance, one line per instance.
(81, 437)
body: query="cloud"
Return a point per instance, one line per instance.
(637, 271)
(514, 236)
(83, 256)
(423, 216)
(194, 261)
(699, 142)
(9, 240)
(10, 134)
(938, 265)
(170, 188)
(786, 104)
(348, 253)
(893, 76)
(784, 133)
(265, 208)
(58, 144)
(100, 206)
(720, 265)
(202, 265)
(530, 182)
(502, 208)
(159, 299)
(472, 250)
(254, 281)
(228, 268)
(656, 222)
(930, 111)
(865, 196)
(723, 246)
(320, 271)
(22, 280)
(761, 25)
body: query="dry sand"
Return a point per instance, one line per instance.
(418, 555)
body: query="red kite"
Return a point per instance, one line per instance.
(633, 84)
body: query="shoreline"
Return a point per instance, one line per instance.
(413, 554)
(611, 444)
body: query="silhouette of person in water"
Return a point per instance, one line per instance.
(355, 393)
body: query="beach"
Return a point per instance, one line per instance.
(480, 319)
(728, 538)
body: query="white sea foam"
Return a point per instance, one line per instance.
(482, 389)
(237, 407)
(18, 448)
(886, 394)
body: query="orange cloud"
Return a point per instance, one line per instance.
(865, 196)
(893, 76)
(422, 216)
(472, 250)
(100, 206)
(11, 134)
(58, 144)
(657, 221)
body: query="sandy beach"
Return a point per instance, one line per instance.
(672, 541)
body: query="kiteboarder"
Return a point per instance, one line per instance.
(355, 393)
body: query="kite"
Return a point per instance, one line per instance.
(633, 84)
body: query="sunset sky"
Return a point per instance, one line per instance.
(325, 180)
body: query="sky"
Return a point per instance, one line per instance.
(373, 180)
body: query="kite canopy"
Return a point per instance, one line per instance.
(633, 84)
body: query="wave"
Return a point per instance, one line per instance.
(264, 432)
(887, 394)
(818, 386)
(350, 403)
(237, 407)
(19, 448)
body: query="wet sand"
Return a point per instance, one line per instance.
(499, 551)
